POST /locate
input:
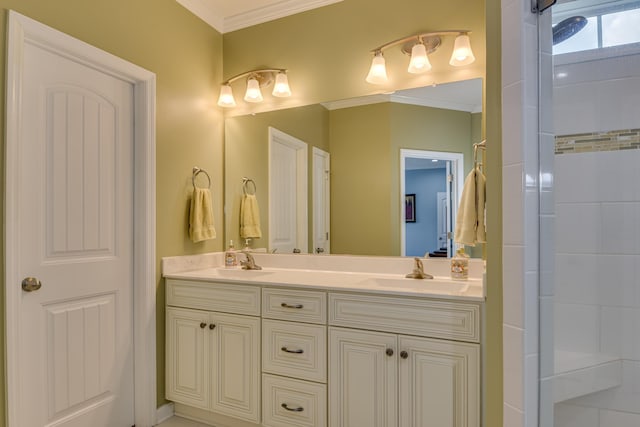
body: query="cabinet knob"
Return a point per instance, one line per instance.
(389, 352)
(203, 325)
(404, 354)
(298, 409)
(212, 326)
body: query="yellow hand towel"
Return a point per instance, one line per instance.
(250, 217)
(470, 227)
(201, 216)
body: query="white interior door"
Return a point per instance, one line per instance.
(288, 223)
(75, 233)
(321, 201)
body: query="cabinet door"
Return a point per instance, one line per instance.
(187, 357)
(439, 383)
(235, 357)
(362, 379)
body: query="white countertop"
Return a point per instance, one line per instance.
(442, 287)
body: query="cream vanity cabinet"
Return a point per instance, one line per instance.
(290, 357)
(213, 347)
(385, 372)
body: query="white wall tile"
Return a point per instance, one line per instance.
(512, 205)
(576, 179)
(618, 419)
(513, 135)
(621, 228)
(547, 335)
(513, 366)
(577, 327)
(578, 228)
(512, 417)
(531, 230)
(531, 390)
(512, 70)
(547, 254)
(531, 313)
(619, 332)
(513, 285)
(567, 415)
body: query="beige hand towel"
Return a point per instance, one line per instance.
(250, 217)
(470, 226)
(201, 216)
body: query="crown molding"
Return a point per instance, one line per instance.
(356, 102)
(202, 9)
(269, 13)
(438, 103)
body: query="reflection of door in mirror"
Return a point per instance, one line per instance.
(435, 178)
(321, 201)
(287, 193)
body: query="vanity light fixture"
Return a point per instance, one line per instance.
(256, 80)
(419, 46)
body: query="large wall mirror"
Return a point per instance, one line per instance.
(365, 176)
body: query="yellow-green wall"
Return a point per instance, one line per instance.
(247, 155)
(493, 307)
(186, 55)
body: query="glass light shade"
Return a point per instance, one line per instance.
(462, 53)
(226, 98)
(419, 60)
(253, 93)
(378, 72)
(281, 87)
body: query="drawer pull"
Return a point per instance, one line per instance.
(203, 325)
(212, 326)
(298, 409)
(404, 354)
(286, 350)
(296, 306)
(389, 352)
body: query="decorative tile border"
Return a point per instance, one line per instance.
(614, 140)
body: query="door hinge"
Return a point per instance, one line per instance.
(450, 177)
(539, 6)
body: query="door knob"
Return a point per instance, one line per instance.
(389, 352)
(203, 325)
(404, 354)
(319, 250)
(30, 284)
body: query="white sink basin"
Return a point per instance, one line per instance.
(428, 285)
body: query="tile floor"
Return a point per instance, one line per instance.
(180, 422)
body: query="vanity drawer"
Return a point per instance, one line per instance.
(227, 298)
(294, 350)
(429, 318)
(306, 403)
(301, 306)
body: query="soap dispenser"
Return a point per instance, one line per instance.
(231, 256)
(460, 265)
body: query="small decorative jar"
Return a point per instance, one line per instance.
(460, 265)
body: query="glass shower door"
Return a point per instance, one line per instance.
(590, 221)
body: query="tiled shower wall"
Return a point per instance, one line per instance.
(597, 223)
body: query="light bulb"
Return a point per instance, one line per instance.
(378, 72)
(253, 93)
(281, 87)
(462, 53)
(419, 60)
(226, 96)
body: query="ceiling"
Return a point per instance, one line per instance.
(231, 15)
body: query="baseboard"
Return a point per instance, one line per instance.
(165, 412)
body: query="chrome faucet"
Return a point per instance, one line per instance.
(418, 271)
(250, 263)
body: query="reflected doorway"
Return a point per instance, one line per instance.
(431, 183)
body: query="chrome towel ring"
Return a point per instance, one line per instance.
(245, 186)
(197, 171)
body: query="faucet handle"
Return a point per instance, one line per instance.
(419, 266)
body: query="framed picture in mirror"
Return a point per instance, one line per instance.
(410, 208)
